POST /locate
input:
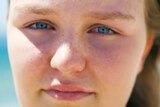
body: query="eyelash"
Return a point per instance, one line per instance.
(97, 29)
(103, 30)
(41, 26)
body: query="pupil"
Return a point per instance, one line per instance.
(41, 25)
(103, 30)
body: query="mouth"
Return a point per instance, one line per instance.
(68, 92)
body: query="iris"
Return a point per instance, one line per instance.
(41, 25)
(104, 30)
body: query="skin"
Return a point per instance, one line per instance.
(106, 64)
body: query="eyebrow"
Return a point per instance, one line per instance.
(110, 15)
(39, 10)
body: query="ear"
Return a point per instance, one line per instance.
(149, 44)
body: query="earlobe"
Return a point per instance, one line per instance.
(148, 46)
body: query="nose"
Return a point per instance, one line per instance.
(67, 59)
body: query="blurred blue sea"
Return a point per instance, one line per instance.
(7, 91)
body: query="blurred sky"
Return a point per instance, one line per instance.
(7, 92)
(3, 12)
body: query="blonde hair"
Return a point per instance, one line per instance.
(146, 92)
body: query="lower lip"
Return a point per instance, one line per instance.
(60, 95)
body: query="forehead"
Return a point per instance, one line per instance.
(124, 8)
(130, 5)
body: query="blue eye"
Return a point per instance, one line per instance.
(40, 26)
(103, 30)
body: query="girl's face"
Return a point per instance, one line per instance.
(76, 53)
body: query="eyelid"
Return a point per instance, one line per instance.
(27, 25)
(115, 30)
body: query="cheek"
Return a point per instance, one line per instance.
(28, 61)
(117, 60)
(29, 50)
(115, 66)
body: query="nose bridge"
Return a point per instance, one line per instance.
(68, 58)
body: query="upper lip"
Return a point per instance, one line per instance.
(69, 88)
